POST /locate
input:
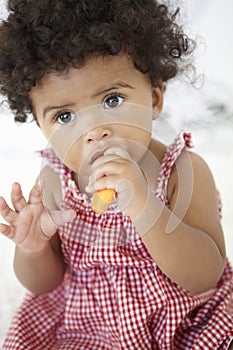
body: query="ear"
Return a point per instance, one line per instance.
(157, 98)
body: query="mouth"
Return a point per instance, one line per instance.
(97, 155)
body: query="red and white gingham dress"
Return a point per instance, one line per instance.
(114, 296)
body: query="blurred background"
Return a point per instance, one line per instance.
(206, 110)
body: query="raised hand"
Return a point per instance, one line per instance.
(30, 224)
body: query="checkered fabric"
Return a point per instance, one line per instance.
(113, 295)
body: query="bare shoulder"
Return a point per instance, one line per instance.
(192, 175)
(193, 196)
(190, 168)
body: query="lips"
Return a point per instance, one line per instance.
(98, 154)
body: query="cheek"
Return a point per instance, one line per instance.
(77, 159)
(73, 157)
(66, 142)
(141, 148)
(138, 142)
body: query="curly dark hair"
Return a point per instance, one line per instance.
(41, 36)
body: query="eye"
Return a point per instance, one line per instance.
(113, 101)
(65, 117)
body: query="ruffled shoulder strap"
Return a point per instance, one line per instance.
(181, 142)
(49, 157)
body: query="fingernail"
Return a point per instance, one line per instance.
(88, 188)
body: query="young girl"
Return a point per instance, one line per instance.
(151, 271)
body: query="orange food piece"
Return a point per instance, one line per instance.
(102, 199)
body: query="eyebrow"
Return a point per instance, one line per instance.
(116, 85)
(50, 108)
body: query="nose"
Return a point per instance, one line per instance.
(98, 134)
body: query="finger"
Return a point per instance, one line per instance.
(35, 196)
(6, 212)
(112, 153)
(106, 169)
(7, 231)
(118, 151)
(102, 183)
(51, 220)
(60, 217)
(104, 159)
(17, 198)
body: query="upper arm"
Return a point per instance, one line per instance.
(193, 197)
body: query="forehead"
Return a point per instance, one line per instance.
(79, 85)
(95, 70)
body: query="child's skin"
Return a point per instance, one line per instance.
(192, 255)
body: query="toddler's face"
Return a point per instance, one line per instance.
(105, 104)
